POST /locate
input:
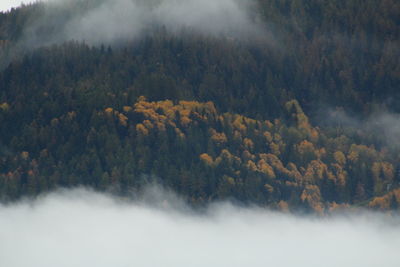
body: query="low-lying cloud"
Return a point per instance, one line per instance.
(110, 21)
(82, 228)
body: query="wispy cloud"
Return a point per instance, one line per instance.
(108, 21)
(383, 126)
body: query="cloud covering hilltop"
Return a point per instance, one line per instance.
(113, 21)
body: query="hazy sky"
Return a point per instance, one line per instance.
(8, 4)
(81, 228)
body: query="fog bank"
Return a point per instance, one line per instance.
(83, 228)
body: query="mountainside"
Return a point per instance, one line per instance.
(294, 108)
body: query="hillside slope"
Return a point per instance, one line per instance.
(261, 118)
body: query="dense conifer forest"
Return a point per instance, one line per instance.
(300, 116)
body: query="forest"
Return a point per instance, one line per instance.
(300, 117)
